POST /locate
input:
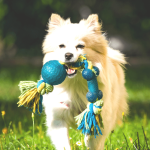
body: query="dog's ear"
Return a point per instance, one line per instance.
(55, 21)
(68, 21)
(93, 23)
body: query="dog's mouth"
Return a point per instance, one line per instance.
(70, 72)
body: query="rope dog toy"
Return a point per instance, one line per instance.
(31, 97)
(54, 73)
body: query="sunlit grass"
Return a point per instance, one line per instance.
(16, 127)
(129, 134)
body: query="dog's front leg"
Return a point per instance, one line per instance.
(58, 131)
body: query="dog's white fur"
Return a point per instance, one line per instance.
(69, 98)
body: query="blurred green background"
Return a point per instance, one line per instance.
(23, 25)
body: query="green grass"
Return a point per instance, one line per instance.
(138, 83)
(10, 78)
(18, 121)
(20, 131)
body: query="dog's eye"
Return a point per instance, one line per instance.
(62, 46)
(80, 46)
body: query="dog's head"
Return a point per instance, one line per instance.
(65, 41)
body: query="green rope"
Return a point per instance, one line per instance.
(98, 111)
(80, 117)
(25, 86)
(98, 103)
(48, 88)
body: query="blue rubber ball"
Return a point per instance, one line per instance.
(91, 97)
(88, 74)
(53, 72)
(100, 94)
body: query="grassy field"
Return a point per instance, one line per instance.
(16, 126)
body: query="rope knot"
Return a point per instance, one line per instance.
(43, 87)
(31, 94)
(98, 107)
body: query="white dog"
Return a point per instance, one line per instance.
(65, 41)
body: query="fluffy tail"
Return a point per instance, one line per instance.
(116, 56)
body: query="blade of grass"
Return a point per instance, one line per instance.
(20, 127)
(135, 145)
(1, 144)
(126, 141)
(18, 142)
(33, 130)
(110, 140)
(145, 138)
(138, 141)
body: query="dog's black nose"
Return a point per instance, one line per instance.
(68, 56)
